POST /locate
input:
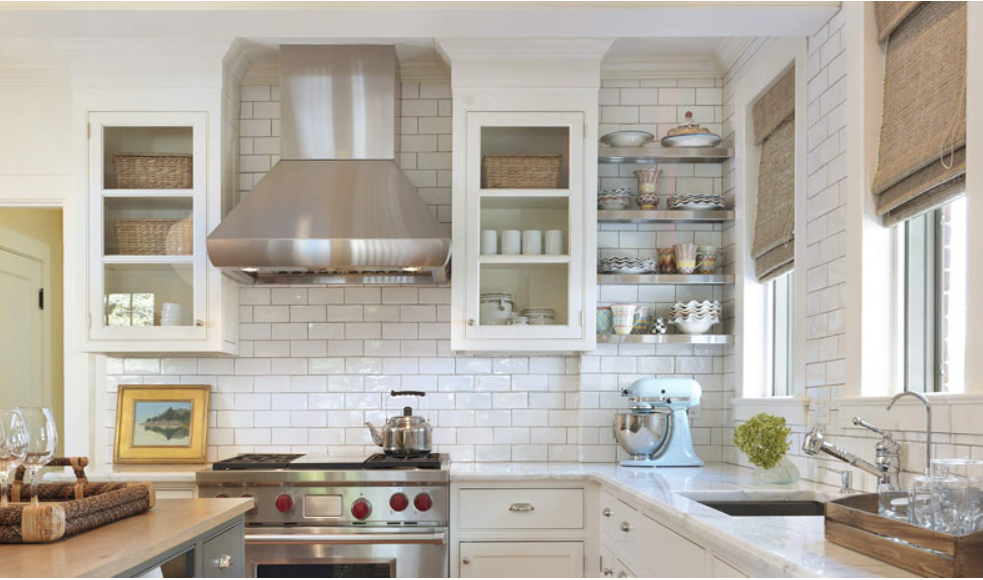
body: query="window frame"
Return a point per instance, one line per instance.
(779, 345)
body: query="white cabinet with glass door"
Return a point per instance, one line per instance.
(148, 204)
(524, 172)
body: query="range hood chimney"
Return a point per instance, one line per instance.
(336, 208)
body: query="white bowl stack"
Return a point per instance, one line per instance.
(695, 317)
(614, 199)
(627, 265)
(174, 314)
(696, 201)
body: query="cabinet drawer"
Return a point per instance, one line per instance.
(174, 493)
(522, 559)
(222, 555)
(667, 554)
(497, 509)
(722, 569)
(614, 513)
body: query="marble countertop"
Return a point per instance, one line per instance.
(781, 546)
(118, 547)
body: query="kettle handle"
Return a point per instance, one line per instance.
(408, 394)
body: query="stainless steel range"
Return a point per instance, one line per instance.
(383, 517)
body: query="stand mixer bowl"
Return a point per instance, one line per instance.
(642, 434)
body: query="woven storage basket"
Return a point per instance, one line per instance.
(67, 509)
(153, 170)
(142, 237)
(521, 171)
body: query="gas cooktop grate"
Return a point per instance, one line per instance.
(257, 461)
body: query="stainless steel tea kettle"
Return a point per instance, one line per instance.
(406, 434)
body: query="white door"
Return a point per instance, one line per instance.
(22, 376)
(522, 560)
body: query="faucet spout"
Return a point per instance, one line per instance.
(928, 422)
(813, 444)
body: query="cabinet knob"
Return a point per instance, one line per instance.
(606, 513)
(199, 322)
(471, 322)
(522, 507)
(625, 527)
(608, 572)
(224, 561)
(466, 560)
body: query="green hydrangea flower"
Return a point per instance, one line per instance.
(764, 439)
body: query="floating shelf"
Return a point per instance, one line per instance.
(523, 260)
(663, 154)
(666, 338)
(675, 215)
(665, 279)
(142, 259)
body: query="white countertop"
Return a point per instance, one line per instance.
(786, 546)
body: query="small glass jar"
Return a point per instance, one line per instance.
(518, 321)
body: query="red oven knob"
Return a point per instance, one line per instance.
(361, 509)
(284, 503)
(399, 502)
(222, 496)
(423, 502)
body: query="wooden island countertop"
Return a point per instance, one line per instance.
(121, 546)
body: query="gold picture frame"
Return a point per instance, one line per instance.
(161, 424)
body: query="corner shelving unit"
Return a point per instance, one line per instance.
(652, 154)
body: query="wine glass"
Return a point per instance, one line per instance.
(42, 440)
(13, 446)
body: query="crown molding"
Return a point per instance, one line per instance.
(130, 49)
(660, 68)
(506, 48)
(34, 74)
(730, 51)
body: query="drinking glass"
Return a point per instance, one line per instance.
(13, 446)
(948, 504)
(970, 474)
(42, 440)
(920, 502)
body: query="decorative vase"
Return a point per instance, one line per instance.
(784, 472)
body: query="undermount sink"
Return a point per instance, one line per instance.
(759, 508)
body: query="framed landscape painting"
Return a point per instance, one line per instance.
(161, 424)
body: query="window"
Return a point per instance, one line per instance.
(934, 299)
(778, 334)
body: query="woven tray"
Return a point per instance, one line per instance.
(143, 237)
(520, 171)
(853, 522)
(67, 509)
(153, 170)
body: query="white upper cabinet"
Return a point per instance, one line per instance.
(524, 168)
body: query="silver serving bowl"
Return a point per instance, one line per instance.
(641, 434)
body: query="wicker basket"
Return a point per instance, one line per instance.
(521, 171)
(153, 170)
(143, 237)
(66, 509)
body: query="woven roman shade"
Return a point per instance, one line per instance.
(773, 248)
(921, 159)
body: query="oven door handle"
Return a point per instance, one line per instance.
(436, 538)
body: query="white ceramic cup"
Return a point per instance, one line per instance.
(511, 242)
(554, 242)
(489, 242)
(625, 316)
(532, 242)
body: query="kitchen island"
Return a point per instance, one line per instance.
(203, 536)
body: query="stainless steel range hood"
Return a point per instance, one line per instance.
(336, 208)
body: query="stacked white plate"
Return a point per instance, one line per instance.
(174, 314)
(696, 201)
(695, 317)
(539, 316)
(627, 265)
(614, 199)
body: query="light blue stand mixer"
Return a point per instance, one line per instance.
(655, 428)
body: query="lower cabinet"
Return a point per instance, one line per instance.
(721, 569)
(521, 559)
(223, 556)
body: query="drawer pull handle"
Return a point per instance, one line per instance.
(471, 322)
(625, 527)
(466, 560)
(225, 561)
(622, 574)
(608, 572)
(522, 507)
(607, 512)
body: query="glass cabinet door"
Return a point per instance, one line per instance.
(147, 226)
(525, 225)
